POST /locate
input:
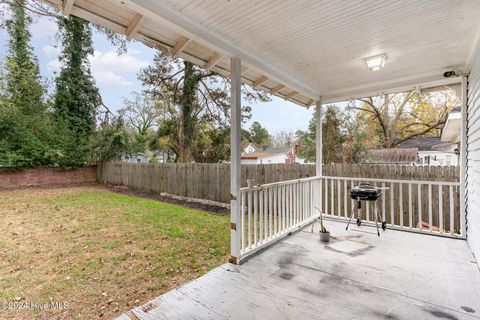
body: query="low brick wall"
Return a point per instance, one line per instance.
(47, 177)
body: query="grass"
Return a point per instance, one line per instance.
(103, 253)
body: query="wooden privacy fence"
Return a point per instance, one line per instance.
(211, 181)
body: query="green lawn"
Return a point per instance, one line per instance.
(102, 253)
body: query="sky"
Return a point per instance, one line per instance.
(116, 75)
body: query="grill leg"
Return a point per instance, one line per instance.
(351, 215)
(376, 216)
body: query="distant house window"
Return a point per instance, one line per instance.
(448, 160)
(139, 160)
(420, 160)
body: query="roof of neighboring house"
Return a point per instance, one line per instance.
(382, 156)
(256, 155)
(423, 144)
(428, 144)
(266, 152)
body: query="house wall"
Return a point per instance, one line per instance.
(438, 158)
(472, 172)
(280, 158)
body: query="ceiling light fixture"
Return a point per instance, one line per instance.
(377, 62)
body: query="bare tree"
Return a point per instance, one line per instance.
(404, 116)
(142, 112)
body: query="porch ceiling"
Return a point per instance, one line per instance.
(300, 50)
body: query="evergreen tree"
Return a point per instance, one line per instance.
(259, 135)
(23, 76)
(24, 123)
(76, 97)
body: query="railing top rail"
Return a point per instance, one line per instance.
(442, 183)
(287, 182)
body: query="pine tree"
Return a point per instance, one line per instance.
(76, 97)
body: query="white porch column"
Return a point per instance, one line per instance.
(319, 144)
(235, 171)
(463, 157)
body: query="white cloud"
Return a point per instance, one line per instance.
(109, 68)
(44, 27)
(126, 62)
(110, 78)
(54, 65)
(51, 51)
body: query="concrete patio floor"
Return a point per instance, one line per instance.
(358, 275)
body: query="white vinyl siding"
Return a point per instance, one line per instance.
(472, 190)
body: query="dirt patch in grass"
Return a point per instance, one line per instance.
(101, 253)
(187, 204)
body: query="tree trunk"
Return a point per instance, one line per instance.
(190, 84)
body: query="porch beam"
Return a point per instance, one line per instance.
(291, 95)
(67, 7)
(213, 61)
(277, 88)
(134, 25)
(261, 80)
(180, 46)
(319, 138)
(235, 169)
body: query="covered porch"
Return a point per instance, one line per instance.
(312, 53)
(358, 275)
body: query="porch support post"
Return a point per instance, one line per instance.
(319, 144)
(235, 169)
(463, 158)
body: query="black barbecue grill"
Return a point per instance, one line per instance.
(366, 192)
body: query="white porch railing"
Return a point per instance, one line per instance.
(272, 211)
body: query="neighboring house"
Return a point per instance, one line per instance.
(136, 158)
(249, 148)
(145, 157)
(429, 151)
(433, 152)
(268, 155)
(408, 156)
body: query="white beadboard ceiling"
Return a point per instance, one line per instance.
(303, 49)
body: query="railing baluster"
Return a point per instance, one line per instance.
(270, 213)
(410, 206)
(255, 217)
(352, 202)
(400, 190)
(440, 208)
(339, 213)
(383, 201)
(284, 200)
(367, 210)
(265, 213)
(430, 212)
(242, 221)
(290, 202)
(332, 196)
(249, 205)
(260, 196)
(275, 208)
(392, 204)
(326, 197)
(320, 193)
(452, 221)
(345, 208)
(419, 205)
